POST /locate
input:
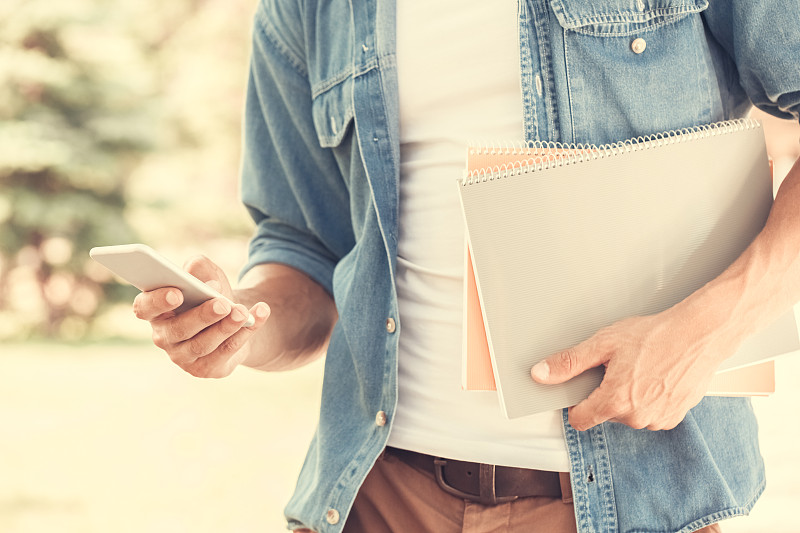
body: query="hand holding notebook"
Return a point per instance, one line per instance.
(572, 242)
(656, 368)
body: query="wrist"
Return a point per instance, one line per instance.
(301, 317)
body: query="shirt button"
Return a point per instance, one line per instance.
(638, 45)
(390, 325)
(380, 418)
(332, 516)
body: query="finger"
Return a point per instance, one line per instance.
(170, 332)
(223, 341)
(222, 361)
(599, 407)
(218, 335)
(633, 422)
(667, 424)
(567, 364)
(207, 340)
(206, 270)
(151, 305)
(260, 312)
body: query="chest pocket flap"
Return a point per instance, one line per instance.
(332, 111)
(617, 16)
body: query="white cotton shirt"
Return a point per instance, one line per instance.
(458, 73)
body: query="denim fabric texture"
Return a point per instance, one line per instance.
(320, 179)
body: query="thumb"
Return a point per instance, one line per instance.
(214, 284)
(210, 273)
(565, 365)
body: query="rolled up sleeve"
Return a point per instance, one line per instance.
(763, 41)
(292, 187)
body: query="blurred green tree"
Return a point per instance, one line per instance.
(119, 121)
(71, 132)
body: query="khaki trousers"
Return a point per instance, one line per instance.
(398, 498)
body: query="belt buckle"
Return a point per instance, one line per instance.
(486, 483)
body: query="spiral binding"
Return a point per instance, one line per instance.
(544, 155)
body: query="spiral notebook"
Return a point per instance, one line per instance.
(757, 379)
(567, 240)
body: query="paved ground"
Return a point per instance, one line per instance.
(113, 439)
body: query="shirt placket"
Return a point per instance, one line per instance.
(540, 114)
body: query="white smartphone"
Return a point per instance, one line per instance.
(146, 269)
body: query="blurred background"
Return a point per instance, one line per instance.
(120, 122)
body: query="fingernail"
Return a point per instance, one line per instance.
(262, 310)
(237, 314)
(173, 298)
(541, 371)
(221, 307)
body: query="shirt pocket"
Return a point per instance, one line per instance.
(332, 110)
(634, 67)
(333, 116)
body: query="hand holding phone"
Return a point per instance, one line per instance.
(147, 270)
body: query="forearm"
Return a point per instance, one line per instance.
(301, 319)
(762, 284)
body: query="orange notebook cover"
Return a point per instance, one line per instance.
(477, 374)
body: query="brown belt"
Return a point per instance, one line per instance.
(487, 484)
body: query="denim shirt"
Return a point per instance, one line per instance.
(320, 179)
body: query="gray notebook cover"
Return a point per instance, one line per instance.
(563, 250)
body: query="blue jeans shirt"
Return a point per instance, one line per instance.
(320, 179)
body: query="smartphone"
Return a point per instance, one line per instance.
(146, 269)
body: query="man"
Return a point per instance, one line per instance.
(355, 125)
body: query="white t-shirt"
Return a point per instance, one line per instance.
(458, 70)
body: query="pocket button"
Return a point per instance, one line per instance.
(332, 516)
